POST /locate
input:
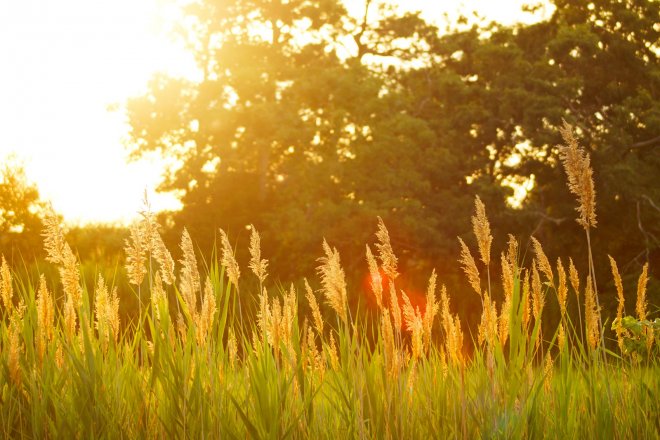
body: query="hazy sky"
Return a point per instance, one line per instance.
(64, 62)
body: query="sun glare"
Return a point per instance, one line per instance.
(65, 63)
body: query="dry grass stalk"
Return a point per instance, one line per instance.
(580, 176)
(640, 306)
(229, 260)
(543, 262)
(562, 287)
(289, 318)
(205, 319)
(525, 299)
(538, 297)
(15, 347)
(101, 300)
(469, 267)
(273, 327)
(45, 317)
(396, 309)
(334, 357)
(148, 223)
(574, 278)
(264, 315)
(504, 320)
(452, 328)
(375, 279)
(70, 318)
(60, 253)
(488, 331)
(512, 253)
(232, 348)
(620, 331)
(315, 359)
(158, 297)
(333, 281)
(445, 315)
(508, 279)
(181, 327)
(106, 309)
(432, 308)
(417, 343)
(112, 314)
(547, 372)
(592, 315)
(481, 228)
(258, 266)
(414, 325)
(6, 287)
(136, 253)
(189, 280)
(561, 337)
(389, 348)
(164, 259)
(538, 300)
(454, 345)
(409, 314)
(385, 253)
(316, 311)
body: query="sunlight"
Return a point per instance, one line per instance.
(70, 61)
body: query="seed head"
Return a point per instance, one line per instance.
(229, 260)
(481, 229)
(574, 278)
(164, 259)
(640, 307)
(333, 281)
(136, 254)
(580, 176)
(396, 309)
(316, 311)
(621, 302)
(189, 281)
(258, 266)
(469, 267)
(592, 315)
(376, 280)
(45, 317)
(388, 342)
(385, 253)
(562, 288)
(432, 308)
(543, 262)
(6, 288)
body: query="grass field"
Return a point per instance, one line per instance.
(206, 360)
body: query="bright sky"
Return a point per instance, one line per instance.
(64, 62)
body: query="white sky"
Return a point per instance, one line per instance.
(62, 63)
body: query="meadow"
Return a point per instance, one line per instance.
(211, 356)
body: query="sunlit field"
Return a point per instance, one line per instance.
(204, 359)
(330, 219)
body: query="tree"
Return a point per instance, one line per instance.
(286, 122)
(501, 93)
(20, 212)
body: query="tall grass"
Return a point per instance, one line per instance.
(191, 366)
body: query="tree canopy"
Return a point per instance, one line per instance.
(20, 212)
(308, 122)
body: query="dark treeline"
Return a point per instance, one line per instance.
(310, 123)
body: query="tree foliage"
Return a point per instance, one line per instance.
(20, 212)
(309, 122)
